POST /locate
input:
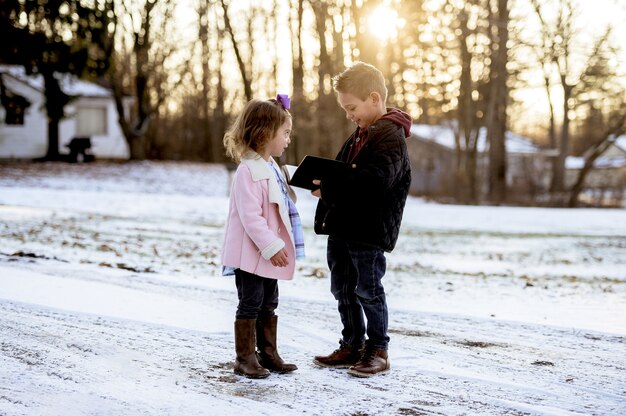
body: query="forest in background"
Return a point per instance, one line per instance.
(190, 65)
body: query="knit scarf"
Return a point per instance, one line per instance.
(294, 217)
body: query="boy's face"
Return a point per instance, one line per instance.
(361, 112)
(281, 139)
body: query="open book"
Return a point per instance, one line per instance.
(315, 167)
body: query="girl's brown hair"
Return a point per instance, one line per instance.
(254, 127)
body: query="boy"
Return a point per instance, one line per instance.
(361, 214)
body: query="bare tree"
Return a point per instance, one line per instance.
(220, 119)
(325, 70)
(603, 94)
(562, 58)
(496, 111)
(557, 52)
(615, 128)
(205, 51)
(299, 109)
(364, 44)
(474, 78)
(141, 69)
(245, 77)
(544, 53)
(54, 39)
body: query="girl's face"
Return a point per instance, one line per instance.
(280, 141)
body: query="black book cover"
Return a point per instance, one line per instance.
(315, 167)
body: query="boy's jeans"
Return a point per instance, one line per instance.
(356, 272)
(258, 296)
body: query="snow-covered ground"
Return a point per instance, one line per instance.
(111, 303)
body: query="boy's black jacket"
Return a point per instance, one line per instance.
(366, 205)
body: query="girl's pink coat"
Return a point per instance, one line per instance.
(258, 224)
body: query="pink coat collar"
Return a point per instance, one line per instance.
(260, 170)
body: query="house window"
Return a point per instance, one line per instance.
(91, 121)
(14, 106)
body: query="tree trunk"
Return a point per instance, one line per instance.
(296, 151)
(137, 146)
(474, 179)
(552, 133)
(616, 130)
(247, 87)
(364, 40)
(135, 128)
(547, 55)
(219, 115)
(466, 114)
(203, 36)
(497, 108)
(559, 174)
(325, 125)
(460, 178)
(56, 100)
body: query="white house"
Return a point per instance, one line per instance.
(606, 183)
(613, 158)
(23, 120)
(433, 161)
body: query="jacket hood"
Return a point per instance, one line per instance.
(400, 118)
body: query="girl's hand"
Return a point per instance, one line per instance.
(280, 259)
(318, 191)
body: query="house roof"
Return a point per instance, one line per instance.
(444, 135)
(621, 142)
(70, 84)
(608, 160)
(577, 162)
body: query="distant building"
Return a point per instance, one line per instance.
(432, 153)
(605, 183)
(23, 120)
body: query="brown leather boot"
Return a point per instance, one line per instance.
(343, 357)
(373, 361)
(246, 363)
(266, 343)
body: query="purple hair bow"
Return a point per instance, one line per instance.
(283, 99)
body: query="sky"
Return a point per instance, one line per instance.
(594, 16)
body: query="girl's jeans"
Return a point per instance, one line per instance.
(258, 296)
(356, 271)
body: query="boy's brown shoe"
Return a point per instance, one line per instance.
(372, 362)
(343, 357)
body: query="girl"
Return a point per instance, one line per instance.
(263, 232)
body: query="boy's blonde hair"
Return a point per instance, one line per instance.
(254, 127)
(361, 80)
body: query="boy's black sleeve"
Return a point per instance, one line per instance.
(370, 175)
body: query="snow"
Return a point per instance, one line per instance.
(444, 135)
(577, 162)
(621, 142)
(111, 303)
(70, 84)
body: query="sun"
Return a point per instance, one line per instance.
(383, 23)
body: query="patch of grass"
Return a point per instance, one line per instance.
(478, 344)
(543, 363)
(410, 332)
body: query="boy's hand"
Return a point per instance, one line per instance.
(318, 191)
(280, 259)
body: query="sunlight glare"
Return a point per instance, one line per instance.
(383, 23)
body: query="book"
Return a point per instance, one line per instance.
(315, 167)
